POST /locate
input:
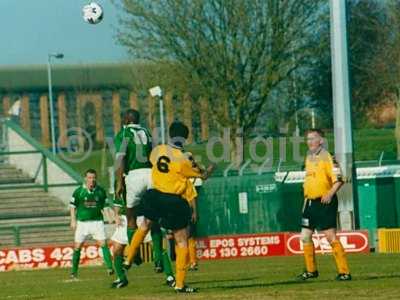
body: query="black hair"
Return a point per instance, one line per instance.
(91, 171)
(178, 130)
(131, 116)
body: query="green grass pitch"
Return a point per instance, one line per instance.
(375, 276)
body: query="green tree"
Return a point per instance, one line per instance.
(366, 25)
(234, 51)
(375, 56)
(385, 66)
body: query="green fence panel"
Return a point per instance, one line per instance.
(386, 203)
(397, 199)
(379, 204)
(273, 206)
(367, 194)
(270, 206)
(291, 197)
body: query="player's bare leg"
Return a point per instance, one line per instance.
(106, 256)
(339, 254)
(182, 260)
(309, 255)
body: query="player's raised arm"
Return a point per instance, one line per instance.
(120, 146)
(191, 169)
(117, 204)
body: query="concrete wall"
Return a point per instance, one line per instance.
(32, 165)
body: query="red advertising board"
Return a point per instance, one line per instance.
(352, 241)
(45, 257)
(274, 244)
(239, 246)
(214, 247)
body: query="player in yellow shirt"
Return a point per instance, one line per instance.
(168, 202)
(321, 183)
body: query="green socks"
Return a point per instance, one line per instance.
(157, 239)
(131, 232)
(159, 253)
(107, 257)
(167, 264)
(77, 256)
(75, 261)
(118, 261)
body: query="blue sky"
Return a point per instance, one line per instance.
(29, 29)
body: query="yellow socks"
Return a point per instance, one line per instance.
(340, 257)
(137, 239)
(338, 253)
(309, 257)
(192, 251)
(182, 259)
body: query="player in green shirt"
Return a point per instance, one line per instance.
(86, 210)
(133, 145)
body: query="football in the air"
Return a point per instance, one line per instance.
(93, 13)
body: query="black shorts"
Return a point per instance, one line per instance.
(317, 215)
(170, 211)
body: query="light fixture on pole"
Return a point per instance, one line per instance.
(157, 92)
(52, 126)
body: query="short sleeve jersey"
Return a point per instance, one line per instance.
(322, 172)
(89, 203)
(172, 169)
(133, 142)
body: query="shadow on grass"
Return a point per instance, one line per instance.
(261, 285)
(296, 281)
(377, 277)
(225, 280)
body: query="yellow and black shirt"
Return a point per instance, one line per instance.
(322, 172)
(172, 169)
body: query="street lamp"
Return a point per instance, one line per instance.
(53, 135)
(157, 92)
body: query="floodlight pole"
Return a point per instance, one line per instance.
(53, 135)
(52, 125)
(348, 219)
(162, 124)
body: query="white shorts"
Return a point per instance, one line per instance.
(84, 229)
(121, 233)
(137, 183)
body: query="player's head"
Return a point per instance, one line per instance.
(315, 139)
(131, 116)
(90, 178)
(178, 133)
